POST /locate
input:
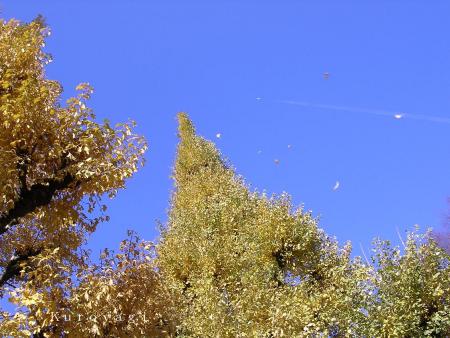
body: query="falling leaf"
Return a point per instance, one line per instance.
(336, 186)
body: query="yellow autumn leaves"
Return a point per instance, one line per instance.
(240, 264)
(230, 262)
(56, 164)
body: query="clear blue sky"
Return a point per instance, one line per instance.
(150, 59)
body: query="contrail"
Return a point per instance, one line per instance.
(396, 114)
(364, 253)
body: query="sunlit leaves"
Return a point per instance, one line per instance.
(411, 290)
(56, 163)
(245, 265)
(231, 262)
(248, 265)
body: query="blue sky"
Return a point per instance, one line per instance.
(150, 59)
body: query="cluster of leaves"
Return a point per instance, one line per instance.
(411, 292)
(245, 265)
(231, 262)
(122, 295)
(56, 163)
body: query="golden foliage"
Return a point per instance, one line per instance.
(411, 292)
(231, 262)
(247, 265)
(124, 296)
(56, 163)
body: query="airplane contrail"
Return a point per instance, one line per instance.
(395, 114)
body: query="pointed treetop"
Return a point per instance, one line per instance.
(186, 128)
(195, 154)
(236, 258)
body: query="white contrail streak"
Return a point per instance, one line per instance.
(400, 237)
(395, 114)
(364, 253)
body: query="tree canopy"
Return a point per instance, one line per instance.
(56, 163)
(246, 265)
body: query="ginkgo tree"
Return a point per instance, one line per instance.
(410, 291)
(242, 264)
(121, 296)
(56, 163)
(246, 265)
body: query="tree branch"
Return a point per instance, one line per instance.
(13, 268)
(22, 167)
(30, 199)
